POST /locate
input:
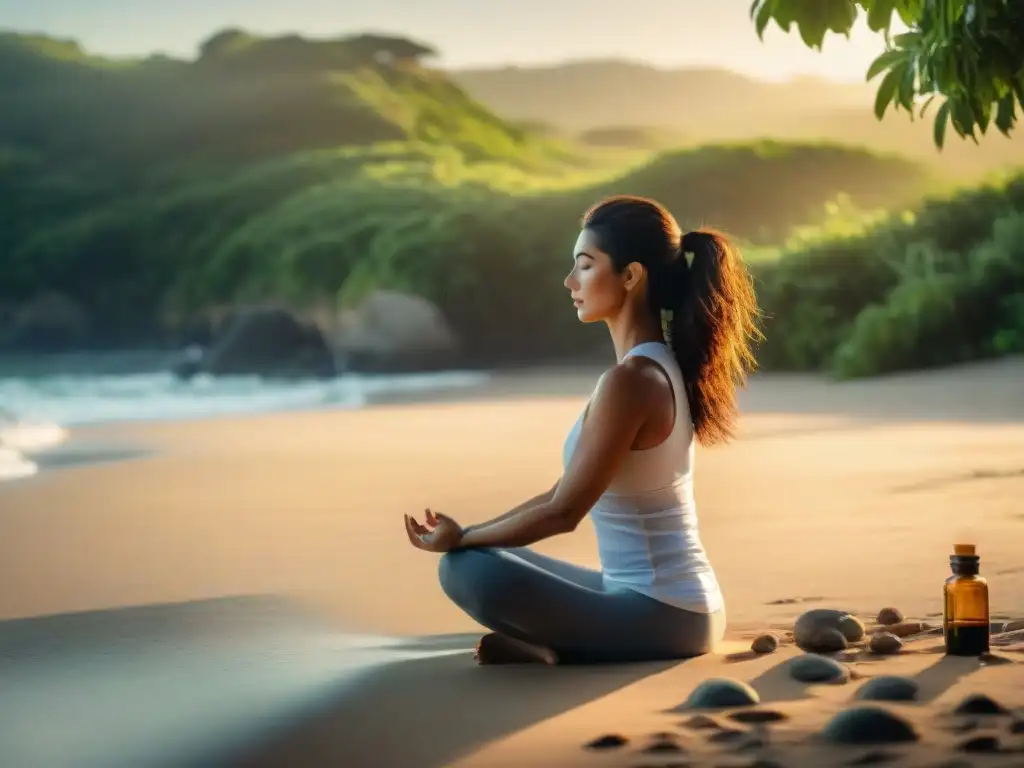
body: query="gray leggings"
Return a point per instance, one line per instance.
(568, 609)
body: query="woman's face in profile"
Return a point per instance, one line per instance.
(596, 289)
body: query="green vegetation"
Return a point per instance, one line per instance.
(971, 52)
(940, 285)
(243, 99)
(156, 193)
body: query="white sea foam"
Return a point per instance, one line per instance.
(14, 466)
(19, 440)
(37, 411)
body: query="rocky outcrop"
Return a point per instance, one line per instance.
(263, 341)
(392, 332)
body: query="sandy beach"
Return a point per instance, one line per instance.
(187, 593)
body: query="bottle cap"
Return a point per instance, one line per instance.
(963, 549)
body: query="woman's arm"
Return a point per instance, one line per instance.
(540, 498)
(619, 409)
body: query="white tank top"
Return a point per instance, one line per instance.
(646, 521)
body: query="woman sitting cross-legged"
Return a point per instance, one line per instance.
(682, 315)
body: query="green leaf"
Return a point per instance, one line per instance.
(941, 121)
(956, 10)
(907, 39)
(884, 61)
(887, 89)
(785, 12)
(814, 24)
(907, 90)
(924, 107)
(910, 11)
(1018, 88)
(963, 119)
(880, 15)
(763, 15)
(983, 113)
(970, 52)
(842, 16)
(1006, 114)
(945, 71)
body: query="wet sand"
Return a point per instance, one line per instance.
(249, 550)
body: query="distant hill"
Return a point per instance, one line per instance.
(717, 104)
(242, 98)
(591, 94)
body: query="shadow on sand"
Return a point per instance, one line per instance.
(260, 680)
(947, 671)
(431, 712)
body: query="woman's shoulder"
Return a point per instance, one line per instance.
(636, 382)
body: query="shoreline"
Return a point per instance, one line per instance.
(919, 396)
(35, 445)
(922, 394)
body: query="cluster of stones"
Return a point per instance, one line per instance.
(827, 630)
(727, 732)
(864, 724)
(872, 724)
(819, 632)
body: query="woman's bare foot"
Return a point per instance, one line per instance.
(496, 648)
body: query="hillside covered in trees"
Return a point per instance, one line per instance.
(152, 194)
(243, 98)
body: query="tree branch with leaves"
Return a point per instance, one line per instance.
(967, 53)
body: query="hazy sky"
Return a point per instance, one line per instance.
(468, 32)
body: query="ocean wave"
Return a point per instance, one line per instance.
(74, 399)
(14, 466)
(36, 412)
(20, 439)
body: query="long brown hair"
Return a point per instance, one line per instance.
(700, 281)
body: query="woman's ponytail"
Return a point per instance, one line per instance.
(714, 322)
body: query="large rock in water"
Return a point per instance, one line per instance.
(264, 341)
(394, 332)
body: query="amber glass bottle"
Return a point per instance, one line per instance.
(965, 621)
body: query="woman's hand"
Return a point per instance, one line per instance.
(440, 534)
